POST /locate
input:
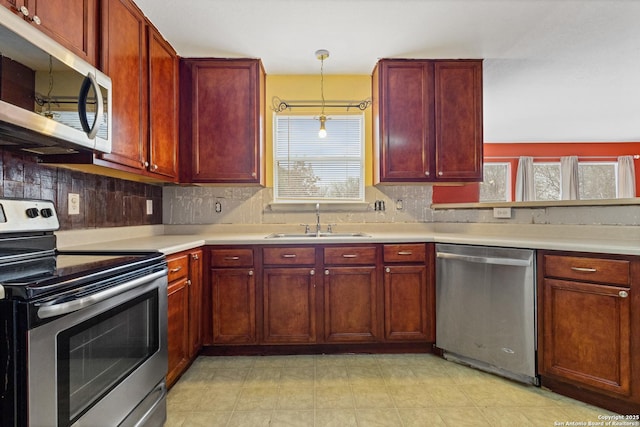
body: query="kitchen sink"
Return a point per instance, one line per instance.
(314, 235)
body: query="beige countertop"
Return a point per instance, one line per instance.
(171, 239)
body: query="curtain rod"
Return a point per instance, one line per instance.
(635, 156)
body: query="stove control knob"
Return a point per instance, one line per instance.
(32, 212)
(46, 212)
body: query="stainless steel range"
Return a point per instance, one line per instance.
(82, 335)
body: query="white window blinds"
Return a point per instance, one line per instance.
(307, 167)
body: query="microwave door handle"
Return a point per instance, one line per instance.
(90, 81)
(47, 311)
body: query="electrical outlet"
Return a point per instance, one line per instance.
(502, 212)
(74, 204)
(149, 207)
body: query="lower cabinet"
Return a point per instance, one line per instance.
(587, 331)
(320, 295)
(289, 296)
(350, 295)
(232, 296)
(409, 299)
(184, 312)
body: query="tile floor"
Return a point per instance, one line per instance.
(360, 390)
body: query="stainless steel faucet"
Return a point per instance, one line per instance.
(318, 219)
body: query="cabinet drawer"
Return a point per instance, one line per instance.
(178, 267)
(231, 258)
(289, 256)
(350, 255)
(590, 269)
(406, 252)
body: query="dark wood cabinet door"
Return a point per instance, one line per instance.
(350, 304)
(458, 120)
(177, 329)
(586, 335)
(289, 301)
(406, 310)
(405, 114)
(224, 121)
(163, 107)
(195, 302)
(124, 59)
(72, 23)
(233, 294)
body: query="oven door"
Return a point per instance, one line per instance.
(101, 356)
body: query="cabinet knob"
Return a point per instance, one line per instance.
(427, 173)
(388, 270)
(440, 173)
(326, 272)
(146, 164)
(623, 294)
(188, 282)
(23, 10)
(250, 272)
(195, 256)
(36, 20)
(312, 273)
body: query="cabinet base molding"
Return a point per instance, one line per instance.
(584, 395)
(280, 350)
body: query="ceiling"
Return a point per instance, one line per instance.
(554, 70)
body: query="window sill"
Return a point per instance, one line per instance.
(324, 206)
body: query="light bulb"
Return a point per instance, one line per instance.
(322, 133)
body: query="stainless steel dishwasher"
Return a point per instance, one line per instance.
(486, 308)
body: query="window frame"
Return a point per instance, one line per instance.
(325, 200)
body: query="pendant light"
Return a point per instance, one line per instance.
(322, 54)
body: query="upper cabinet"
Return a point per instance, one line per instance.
(124, 59)
(163, 107)
(428, 120)
(222, 104)
(72, 23)
(144, 73)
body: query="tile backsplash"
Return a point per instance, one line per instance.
(104, 201)
(252, 205)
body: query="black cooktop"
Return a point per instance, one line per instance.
(61, 271)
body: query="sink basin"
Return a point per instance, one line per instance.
(313, 235)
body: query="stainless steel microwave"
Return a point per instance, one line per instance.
(51, 101)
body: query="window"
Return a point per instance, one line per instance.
(597, 180)
(309, 168)
(547, 181)
(496, 183)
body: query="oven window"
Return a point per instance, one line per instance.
(96, 355)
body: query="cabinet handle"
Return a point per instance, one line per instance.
(349, 256)
(231, 258)
(388, 270)
(250, 272)
(405, 252)
(288, 255)
(175, 270)
(584, 269)
(623, 294)
(312, 273)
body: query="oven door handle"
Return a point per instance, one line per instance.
(53, 310)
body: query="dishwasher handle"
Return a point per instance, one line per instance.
(485, 259)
